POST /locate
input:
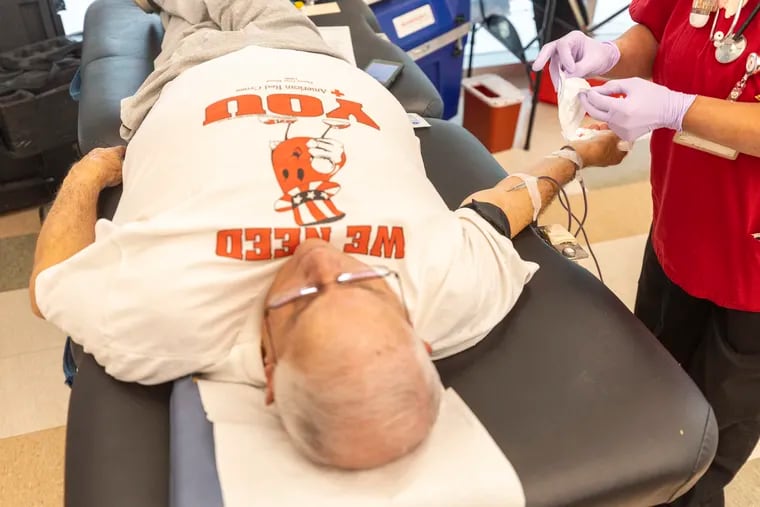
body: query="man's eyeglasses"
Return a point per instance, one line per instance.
(343, 279)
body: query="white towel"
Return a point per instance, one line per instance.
(459, 465)
(339, 39)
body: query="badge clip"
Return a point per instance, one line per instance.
(697, 143)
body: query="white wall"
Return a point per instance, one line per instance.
(73, 16)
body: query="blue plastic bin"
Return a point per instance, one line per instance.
(434, 33)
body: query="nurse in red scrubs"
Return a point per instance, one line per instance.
(699, 290)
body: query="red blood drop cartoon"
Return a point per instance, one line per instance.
(304, 167)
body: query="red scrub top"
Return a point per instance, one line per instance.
(706, 208)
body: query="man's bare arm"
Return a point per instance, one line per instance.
(517, 205)
(70, 225)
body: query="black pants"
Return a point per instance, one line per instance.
(720, 350)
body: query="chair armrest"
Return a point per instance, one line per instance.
(117, 441)
(587, 405)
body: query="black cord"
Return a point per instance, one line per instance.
(585, 208)
(566, 206)
(571, 216)
(593, 256)
(564, 201)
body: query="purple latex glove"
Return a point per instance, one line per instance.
(646, 107)
(577, 55)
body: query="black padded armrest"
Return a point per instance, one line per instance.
(588, 407)
(117, 441)
(120, 44)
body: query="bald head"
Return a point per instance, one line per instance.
(354, 386)
(359, 390)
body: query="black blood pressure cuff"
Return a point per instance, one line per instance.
(492, 214)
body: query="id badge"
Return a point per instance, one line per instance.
(697, 143)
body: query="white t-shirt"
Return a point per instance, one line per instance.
(240, 159)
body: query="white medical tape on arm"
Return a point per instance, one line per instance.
(531, 183)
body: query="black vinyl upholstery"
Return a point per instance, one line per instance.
(580, 397)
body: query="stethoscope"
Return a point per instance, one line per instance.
(732, 45)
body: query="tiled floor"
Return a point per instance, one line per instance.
(19, 223)
(31, 469)
(32, 393)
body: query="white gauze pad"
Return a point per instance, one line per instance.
(571, 112)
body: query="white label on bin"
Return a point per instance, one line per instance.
(414, 21)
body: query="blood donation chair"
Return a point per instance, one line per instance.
(579, 396)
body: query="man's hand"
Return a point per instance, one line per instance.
(102, 166)
(601, 150)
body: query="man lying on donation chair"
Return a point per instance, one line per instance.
(276, 228)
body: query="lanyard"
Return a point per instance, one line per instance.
(752, 68)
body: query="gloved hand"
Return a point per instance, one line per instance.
(577, 55)
(646, 107)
